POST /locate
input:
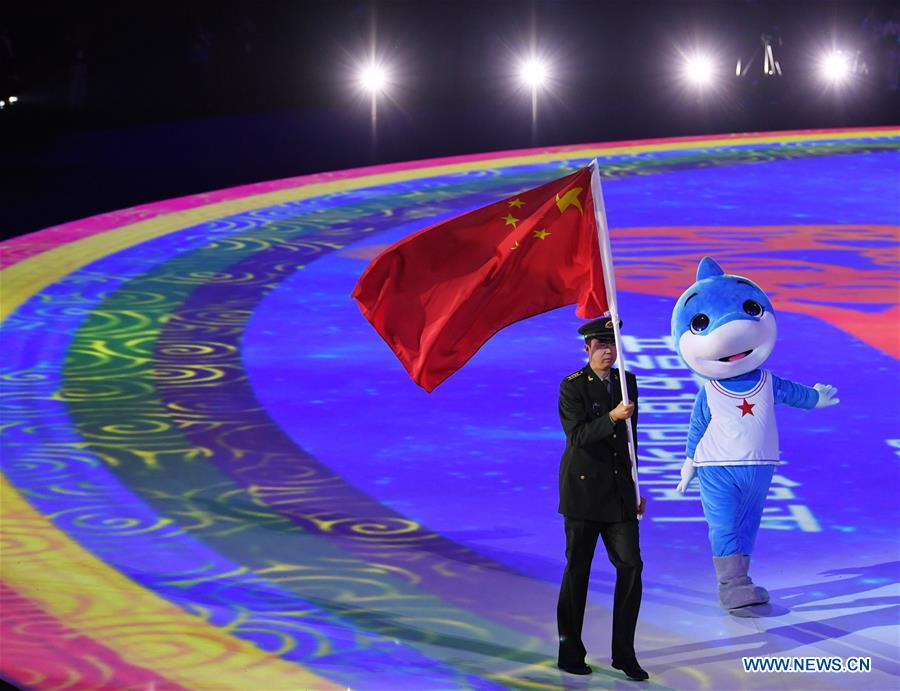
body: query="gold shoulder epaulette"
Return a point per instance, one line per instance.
(575, 375)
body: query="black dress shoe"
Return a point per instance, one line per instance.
(578, 668)
(632, 670)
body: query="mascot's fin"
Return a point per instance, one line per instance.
(708, 268)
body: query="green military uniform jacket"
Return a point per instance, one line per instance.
(595, 480)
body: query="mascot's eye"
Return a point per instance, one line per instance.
(699, 322)
(753, 308)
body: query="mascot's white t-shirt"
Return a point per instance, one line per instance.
(742, 428)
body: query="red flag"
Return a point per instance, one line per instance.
(437, 296)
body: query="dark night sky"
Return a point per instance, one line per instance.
(124, 103)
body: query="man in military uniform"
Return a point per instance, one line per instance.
(597, 499)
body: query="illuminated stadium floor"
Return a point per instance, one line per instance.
(216, 475)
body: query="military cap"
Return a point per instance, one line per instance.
(598, 328)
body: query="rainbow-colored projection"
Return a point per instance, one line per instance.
(217, 476)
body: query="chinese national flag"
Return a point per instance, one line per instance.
(437, 296)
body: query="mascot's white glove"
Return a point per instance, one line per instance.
(687, 474)
(826, 395)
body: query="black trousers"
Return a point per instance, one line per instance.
(621, 542)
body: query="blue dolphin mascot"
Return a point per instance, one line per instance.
(724, 329)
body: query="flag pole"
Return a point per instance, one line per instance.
(609, 281)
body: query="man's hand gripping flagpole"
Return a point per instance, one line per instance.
(609, 280)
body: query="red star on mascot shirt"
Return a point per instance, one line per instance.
(746, 408)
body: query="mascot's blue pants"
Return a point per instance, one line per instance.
(733, 498)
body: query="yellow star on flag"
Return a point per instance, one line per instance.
(516, 203)
(511, 220)
(541, 234)
(570, 198)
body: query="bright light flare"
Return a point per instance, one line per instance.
(533, 73)
(835, 67)
(699, 69)
(13, 99)
(373, 78)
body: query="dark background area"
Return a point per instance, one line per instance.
(125, 103)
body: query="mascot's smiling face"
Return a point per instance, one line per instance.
(723, 325)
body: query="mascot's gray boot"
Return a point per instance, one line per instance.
(735, 587)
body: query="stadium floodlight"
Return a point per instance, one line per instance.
(533, 73)
(699, 69)
(771, 66)
(835, 67)
(373, 77)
